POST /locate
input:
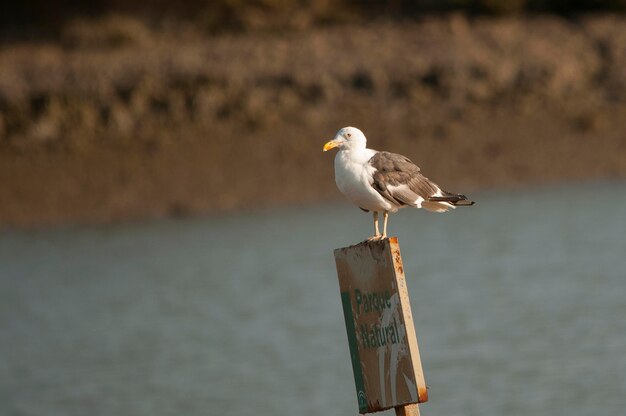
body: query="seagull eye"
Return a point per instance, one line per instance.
(349, 135)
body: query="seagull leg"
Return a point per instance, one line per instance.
(385, 217)
(376, 232)
(376, 235)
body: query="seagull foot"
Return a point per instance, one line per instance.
(375, 238)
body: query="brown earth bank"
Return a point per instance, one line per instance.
(124, 122)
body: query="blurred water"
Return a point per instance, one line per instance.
(519, 301)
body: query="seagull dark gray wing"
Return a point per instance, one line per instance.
(399, 180)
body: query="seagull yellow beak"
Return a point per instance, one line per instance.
(331, 144)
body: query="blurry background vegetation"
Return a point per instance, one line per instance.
(41, 17)
(117, 109)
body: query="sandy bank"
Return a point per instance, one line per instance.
(171, 126)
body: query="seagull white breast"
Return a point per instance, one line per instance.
(354, 176)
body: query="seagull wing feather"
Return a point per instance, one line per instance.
(399, 180)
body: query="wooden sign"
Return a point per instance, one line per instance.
(381, 335)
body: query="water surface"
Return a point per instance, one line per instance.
(519, 304)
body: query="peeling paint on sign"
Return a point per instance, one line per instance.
(381, 336)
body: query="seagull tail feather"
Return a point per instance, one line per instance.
(457, 200)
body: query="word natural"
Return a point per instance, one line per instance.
(377, 335)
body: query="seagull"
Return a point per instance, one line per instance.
(383, 181)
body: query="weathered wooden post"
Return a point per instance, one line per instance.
(379, 323)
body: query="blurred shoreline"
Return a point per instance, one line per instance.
(118, 120)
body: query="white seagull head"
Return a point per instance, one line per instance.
(347, 138)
